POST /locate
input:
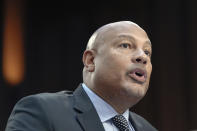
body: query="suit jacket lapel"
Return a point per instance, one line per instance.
(136, 125)
(86, 113)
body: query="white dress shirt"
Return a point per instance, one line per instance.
(105, 111)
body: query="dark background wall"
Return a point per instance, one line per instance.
(56, 34)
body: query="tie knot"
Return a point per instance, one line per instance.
(120, 122)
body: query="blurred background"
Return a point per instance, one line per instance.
(41, 46)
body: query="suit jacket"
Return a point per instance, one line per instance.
(62, 111)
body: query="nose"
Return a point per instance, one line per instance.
(140, 59)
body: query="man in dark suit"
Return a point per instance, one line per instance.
(116, 74)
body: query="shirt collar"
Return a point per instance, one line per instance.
(104, 110)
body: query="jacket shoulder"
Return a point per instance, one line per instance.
(45, 97)
(34, 112)
(141, 123)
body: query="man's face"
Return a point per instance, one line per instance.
(123, 62)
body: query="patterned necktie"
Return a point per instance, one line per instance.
(121, 123)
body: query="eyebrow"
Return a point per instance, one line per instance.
(133, 39)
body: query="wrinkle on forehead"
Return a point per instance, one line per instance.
(97, 37)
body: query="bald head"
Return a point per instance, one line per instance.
(100, 35)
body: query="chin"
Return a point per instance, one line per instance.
(136, 90)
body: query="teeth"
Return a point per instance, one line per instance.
(138, 74)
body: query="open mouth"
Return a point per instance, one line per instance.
(138, 75)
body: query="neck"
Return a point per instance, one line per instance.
(119, 104)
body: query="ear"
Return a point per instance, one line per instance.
(88, 60)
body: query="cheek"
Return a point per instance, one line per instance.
(117, 64)
(112, 66)
(120, 60)
(149, 69)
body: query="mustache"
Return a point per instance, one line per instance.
(133, 67)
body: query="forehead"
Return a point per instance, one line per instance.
(118, 30)
(130, 32)
(134, 38)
